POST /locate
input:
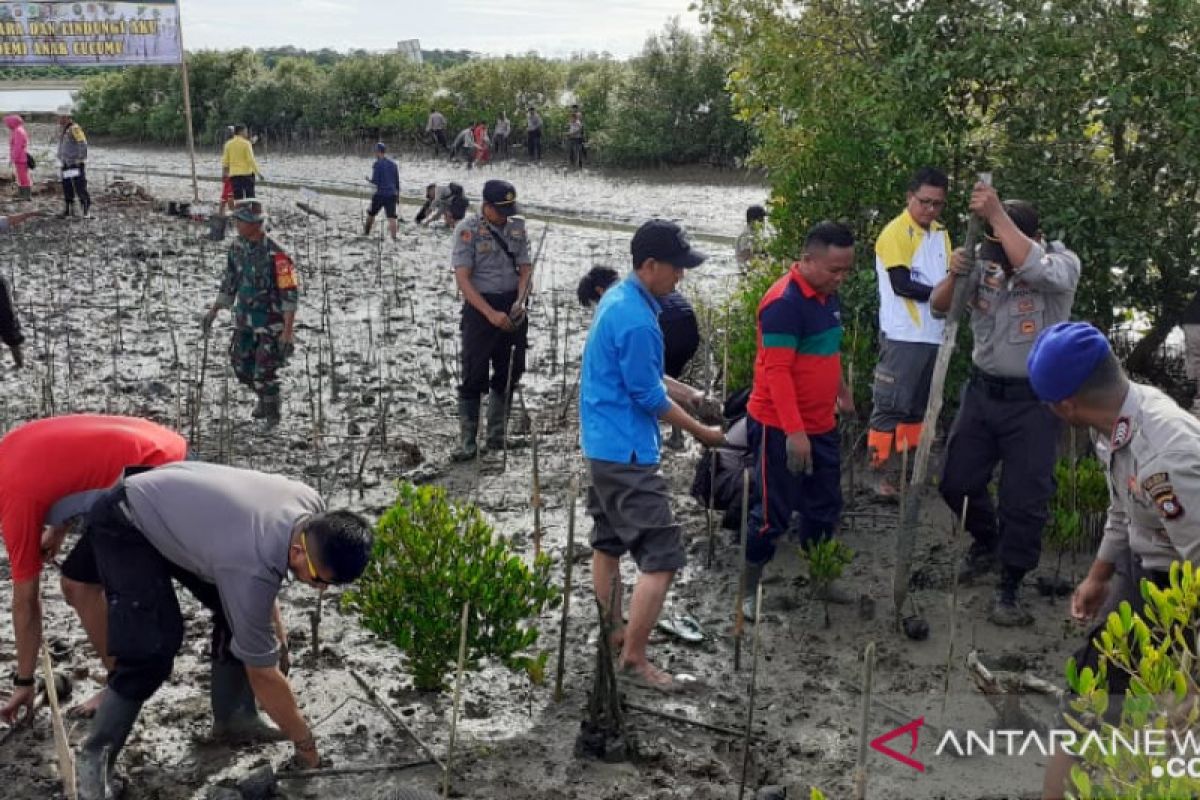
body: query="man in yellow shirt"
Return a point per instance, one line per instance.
(238, 164)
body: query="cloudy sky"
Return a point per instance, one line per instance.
(552, 27)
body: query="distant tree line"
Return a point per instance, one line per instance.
(668, 105)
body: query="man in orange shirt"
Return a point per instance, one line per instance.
(792, 427)
(50, 472)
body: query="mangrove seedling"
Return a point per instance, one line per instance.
(827, 559)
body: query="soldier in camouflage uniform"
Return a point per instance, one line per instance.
(262, 278)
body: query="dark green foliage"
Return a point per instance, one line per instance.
(431, 555)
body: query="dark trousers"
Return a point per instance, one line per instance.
(485, 346)
(577, 152)
(534, 145)
(243, 187)
(1001, 421)
(775, 493)
(145, 626)
(439, 142)
(77, 187)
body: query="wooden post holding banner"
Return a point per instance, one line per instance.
(187, 108)
(906, 537)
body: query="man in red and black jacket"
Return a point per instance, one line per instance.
(797, 386)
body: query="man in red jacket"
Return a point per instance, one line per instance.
(792, 427)
(50, 472)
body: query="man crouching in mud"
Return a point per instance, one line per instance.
(230, 537)
(623, 396)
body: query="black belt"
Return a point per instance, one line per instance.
(1007, 389)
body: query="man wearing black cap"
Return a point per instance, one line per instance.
(386, 177)
(492, 269)
(622, 397)
(262, 279)
(1148, 446)
(1017, 287)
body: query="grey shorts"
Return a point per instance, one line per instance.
(631, 508)
(902, 378)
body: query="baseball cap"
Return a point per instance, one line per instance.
(503, 196)
(663, 240)
(249, 211)
(1063, 357)
(380, 147)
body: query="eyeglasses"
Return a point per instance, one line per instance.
(931, 204)
(312, 570)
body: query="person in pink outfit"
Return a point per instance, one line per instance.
(18, 150)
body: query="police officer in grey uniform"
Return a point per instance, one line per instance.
(492, 268)
(1018, 286)
(1148, 446)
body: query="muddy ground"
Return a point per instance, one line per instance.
(112, 307)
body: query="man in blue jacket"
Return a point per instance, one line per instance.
(623, 396)
(386, 177)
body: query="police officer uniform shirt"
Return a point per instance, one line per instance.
(480, 247)
(1153, 462)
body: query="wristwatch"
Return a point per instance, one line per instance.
(22, 683)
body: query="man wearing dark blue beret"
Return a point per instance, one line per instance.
(1018, 286)
(1149, 447)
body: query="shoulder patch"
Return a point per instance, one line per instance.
(1158, 483)
(285, 271)
(1121, 433)
(1169, 506)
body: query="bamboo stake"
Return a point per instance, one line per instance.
(739, 617)
(66, 760)
(961, 531)
(750, 710)
(568, 568)
(512, 358)
(458, 677)
(395, 718)
(536, 497)
(860, 774)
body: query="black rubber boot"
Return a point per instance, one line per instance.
(259, 409)
(236, 719)
(272, 410)
(979, 561)
(497, 424)
(1007, 610)
(110, 728)
(68, 210)
(25, 193)
(468, 430)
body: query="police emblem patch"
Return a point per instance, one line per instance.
(1121, 433)
(1169, 506)
(1028, 327)
(1158, 483)
(465, 235)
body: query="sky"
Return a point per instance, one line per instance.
(552, 27)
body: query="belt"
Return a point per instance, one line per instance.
(1005, 389)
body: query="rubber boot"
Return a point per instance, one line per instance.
(1007, 610)
(68, 210)
(468, 430)
(25, 193)
(87, 209)
(979, 561)
(368, 225)
(754, 573)
(259, 409)
(497, 424)
(110, 728)
(236, 720)
(272, 410)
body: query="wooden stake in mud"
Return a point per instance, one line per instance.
(458, 677)
(536, 496)
(739, 616)
(568, 567)
(395, 718)
(198, 399)
(961, 530)
(750, 705)
(864, 726)
(906, 538)
(512, 358)
(66, 760)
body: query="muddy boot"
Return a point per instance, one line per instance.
(259, 409)
(979, 561)
(468, 430)
(271, 407)
(497, 424)
(110, 728)
(754, 573)
(87, 210)
(235, 713)
(1007, 610)
(25, 193)
(68, 210)
(368, 225)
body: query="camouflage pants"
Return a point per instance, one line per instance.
(257, 355)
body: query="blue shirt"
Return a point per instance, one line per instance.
(622, 394)
(386, 177)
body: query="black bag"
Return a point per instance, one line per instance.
(29, 162)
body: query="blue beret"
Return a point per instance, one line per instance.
(1063, 357)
